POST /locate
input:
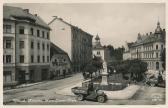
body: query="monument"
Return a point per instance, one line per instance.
(104, 74)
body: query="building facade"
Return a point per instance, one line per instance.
(76, 42)
(26, 47)
(101, 51)
(60, 64)
(148, 48)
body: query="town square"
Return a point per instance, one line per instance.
(84, 54)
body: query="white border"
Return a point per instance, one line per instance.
(76, 1)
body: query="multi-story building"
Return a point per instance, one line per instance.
(60, 64)
(100, 51)
(148, 48)
(26, 46)
(73, 40)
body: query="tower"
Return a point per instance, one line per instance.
(97, 41)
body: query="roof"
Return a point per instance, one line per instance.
(97, 37)
(148, 39)
(130, 44)
(17, 13)
(55, 49)
(72, 26)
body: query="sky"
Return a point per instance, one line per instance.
(115, 23)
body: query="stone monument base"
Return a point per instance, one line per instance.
(104, 80)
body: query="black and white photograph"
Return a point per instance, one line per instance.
(84, 53)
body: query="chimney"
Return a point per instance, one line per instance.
(26, 10)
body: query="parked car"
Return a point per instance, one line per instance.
(89, 93)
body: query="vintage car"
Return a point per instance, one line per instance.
(89, 93)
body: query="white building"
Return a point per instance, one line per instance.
(76, 42)
(26, 47)
(148, 48)
(98, 50)
(101, 51)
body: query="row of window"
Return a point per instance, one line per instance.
(151, 65)
(43, 34)
(22, 59)
(38, 46)
(38, 59)
(39, 33)
(22, 45)
(146, 55)
(148, 48)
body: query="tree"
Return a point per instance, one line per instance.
(93, 66)
(90, 68)
(135, 68)
(97, 62)
(163, 58)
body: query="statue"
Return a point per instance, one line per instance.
(104, 74)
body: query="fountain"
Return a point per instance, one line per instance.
(104, 74)
(105, 84)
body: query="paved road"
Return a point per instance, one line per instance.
(46, 90)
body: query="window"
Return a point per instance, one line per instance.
(8, 44)
(48, 35)
(21, 58)
(43, 58)
(43, 34)
(43, 46)
(32, 31)
(7, 77)
(38, 59)
(38, 45)
(32, 59)
(47, 47)
(7, 28)
(98, 52)
(162, 47)
(47, 58)
(21, 30)
(38, 33)
(32, 45)
(156, 47)
(157, 65)
(157, 55)
(21, 44)
(8, 58)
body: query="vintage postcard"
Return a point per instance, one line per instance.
(88, 53)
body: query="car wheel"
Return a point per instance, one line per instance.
(101, 99)
(79, 97)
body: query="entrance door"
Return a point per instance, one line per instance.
(21, 77)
